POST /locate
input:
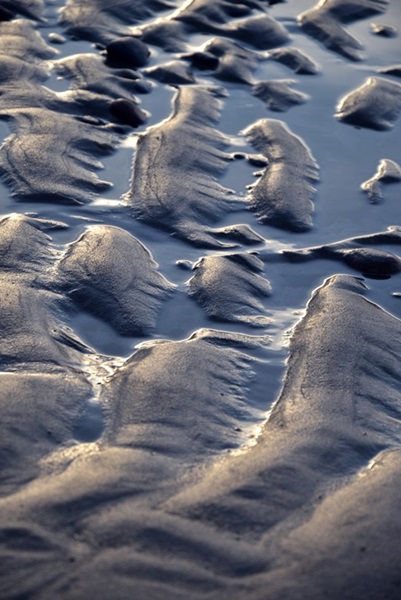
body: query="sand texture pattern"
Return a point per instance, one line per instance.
(200, 317)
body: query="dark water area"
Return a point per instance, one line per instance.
(200, 313)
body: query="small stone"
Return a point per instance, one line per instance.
(257, 160)
(185, 265)
(128, 112)
(384, 30)
(127, 52)
(56, 38)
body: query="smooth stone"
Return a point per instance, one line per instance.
(387, 31)
(128, 52)
(127, 112)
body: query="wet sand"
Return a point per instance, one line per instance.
(200, 299)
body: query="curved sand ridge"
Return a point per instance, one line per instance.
(102, 21)
(173, 187)
(162, 405)
(325, 22)
(61, 171)
(323, 430)
(356, 252)
(234, 63)
(376, 104)
(388, 171)
(238, 462)
(110, 274)
(43, 361)
(250, 24)
(229, 288)
(317, 409)
(283, 195)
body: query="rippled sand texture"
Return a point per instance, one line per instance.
(200, 300)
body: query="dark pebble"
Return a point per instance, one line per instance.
(257, 160)
(56, 38)
(384, 30)
(127, 112)
(185, 265)
(127, 52)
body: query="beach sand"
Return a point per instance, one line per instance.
(200, 221)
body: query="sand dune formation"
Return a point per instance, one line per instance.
(201, 351)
